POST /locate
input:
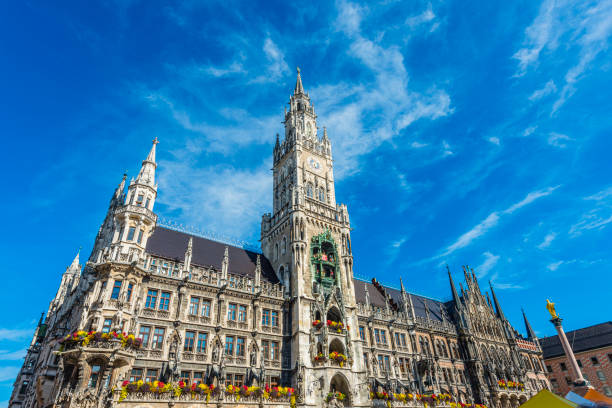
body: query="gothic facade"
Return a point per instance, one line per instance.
(159, 317)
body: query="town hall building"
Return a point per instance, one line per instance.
(159, 317)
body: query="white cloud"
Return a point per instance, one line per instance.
(242, 130)
(537, 36)
(477, 231)
(492, 220)
(418, 145)
(548, 239)
(12, 355)
(529, 198)
(277, 66)
(529, 131)
(548, 89)
(600, 195)
(446, 149)
(8, 373)
(15, 334)
(592, 220)
(489, 262)
(554, 265)
(386, 99)
(495, 140)
(558, 140)
(508, 286)
(425, 17)
(234, 68)
(585, 28)
(393, 250)
(216, 198)
(349, 17)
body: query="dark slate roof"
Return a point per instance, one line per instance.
(377, 299)
(171, 244)
(589, 338)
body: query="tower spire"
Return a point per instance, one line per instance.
(147, 171)
(500, 314)
(75, 266)
(453, 289)
(299, 89)
(530, 332)
(120, 188)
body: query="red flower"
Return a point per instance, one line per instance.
(161, 385)
(193, 387)
(125, 383)
(181, 384)
(329, 322)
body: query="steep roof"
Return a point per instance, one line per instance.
(588, 338)
(171, 244)
(418, 301)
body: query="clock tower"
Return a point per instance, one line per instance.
(307, 240)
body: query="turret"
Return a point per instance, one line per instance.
(498, 309)
(69, 280)
(531, 335)
(453, 289)
(135, 220)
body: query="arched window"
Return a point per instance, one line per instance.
(309, 192)
(321, 194)
(284, 249)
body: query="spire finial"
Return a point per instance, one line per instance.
(500, 314)
(530, 332)
(299, 89)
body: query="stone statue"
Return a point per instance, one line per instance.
(551, 309)
(215, 353)
(253, 357)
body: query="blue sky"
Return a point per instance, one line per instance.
(463, 133)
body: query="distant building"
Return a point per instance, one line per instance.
(593, 349)
(293, 315)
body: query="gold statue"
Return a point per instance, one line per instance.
(551, 309)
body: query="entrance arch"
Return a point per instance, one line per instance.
(339, 383)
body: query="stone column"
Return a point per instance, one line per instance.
(580, 381)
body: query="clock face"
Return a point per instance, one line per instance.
(314, 164)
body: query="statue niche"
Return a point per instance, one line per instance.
(324, 261)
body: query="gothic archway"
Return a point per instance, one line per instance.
(339, 383)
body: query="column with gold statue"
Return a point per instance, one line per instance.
(556, 321)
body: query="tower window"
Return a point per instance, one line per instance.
(151, 299)
(131, 233)
(147, 203)
(129, 291)
(116, 289)
(158, 338)
(321, 194)
(140, 236)
(106, 327)
(164, 301)
(145, 331)
(139, 199)
(309, 192)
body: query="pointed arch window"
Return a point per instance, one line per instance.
(309, 190)
(321, 194)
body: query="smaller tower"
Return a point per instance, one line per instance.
(135, 219)
(531, 335)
